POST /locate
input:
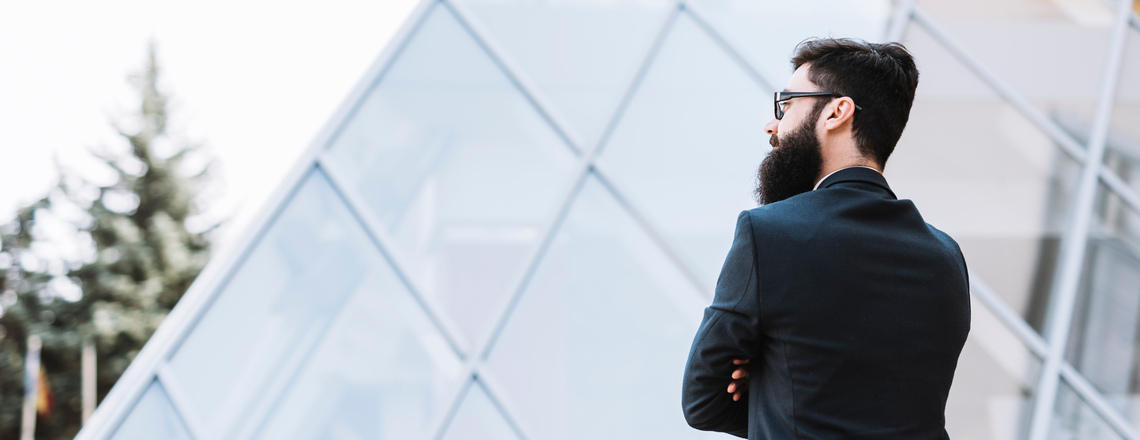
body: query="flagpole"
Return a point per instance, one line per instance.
(31, 388)
(88, 382)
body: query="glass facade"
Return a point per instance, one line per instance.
(513, 224)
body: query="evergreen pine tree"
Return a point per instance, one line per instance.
(144, 260)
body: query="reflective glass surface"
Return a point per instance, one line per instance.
(1106, 319)
(279, 301)
(766, 31)
(153, 417)
(315, 335)
(992, 394)
(381, 371)
(1052, 53)
(581, 54)
(1103, 340)
(687, 149)
(997, 184)
(478, 419)
(1073, 419)
(458, 167)
(1123, 141)
(597, 344)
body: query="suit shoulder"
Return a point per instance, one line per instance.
(951, 247)
(945, 238)
(793, 211)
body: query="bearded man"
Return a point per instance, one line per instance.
(839, 312)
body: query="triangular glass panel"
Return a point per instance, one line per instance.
(687, 149)
(275, 306)
(583, 55)
(383, 370)
(597, 344)
(152, 417)
(478, 418)
(1050, 52)
(766, 31)
(457, 166)
(978, 169)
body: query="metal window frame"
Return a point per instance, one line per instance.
(151, 363)
(1075, 241)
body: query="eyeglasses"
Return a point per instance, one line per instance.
(783, 97)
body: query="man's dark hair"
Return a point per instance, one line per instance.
(879, 77)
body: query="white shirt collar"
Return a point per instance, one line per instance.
(841, 169)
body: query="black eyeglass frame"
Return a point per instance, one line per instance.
(784, 96)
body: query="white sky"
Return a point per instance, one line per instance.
(254, 80)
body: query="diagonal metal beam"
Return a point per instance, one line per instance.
(346, 112)
(189, 310)
(638, 214)
(635, 83)
(263, 408)
(1122, 189)
(904, 10)
(440, 424)
(1067, 143)
(375, 231)
(586, 159)
(615, 189)
(499, 318)
(179, 401)
(1091, 396)
(1075, 242)
(510, 67)
(502, 313)
(433, 309)
(245, 411)
(701, 18)
(482, 381)
(1107, 176)
(1054, 131)
(270, 395)
(501, 401)
(1012, 320)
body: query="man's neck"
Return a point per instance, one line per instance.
(863, 164)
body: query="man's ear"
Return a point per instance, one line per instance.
(838, 112)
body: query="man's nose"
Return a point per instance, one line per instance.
(772, 126)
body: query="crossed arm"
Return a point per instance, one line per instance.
(714, 393)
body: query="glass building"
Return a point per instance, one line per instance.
(510, 228)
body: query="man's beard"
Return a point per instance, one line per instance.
(792, 166)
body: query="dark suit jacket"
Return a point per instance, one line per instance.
(852, 309)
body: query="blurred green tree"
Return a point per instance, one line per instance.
(140, 259)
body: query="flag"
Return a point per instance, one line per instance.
(45, 399)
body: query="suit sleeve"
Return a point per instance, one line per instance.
(730, 330)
